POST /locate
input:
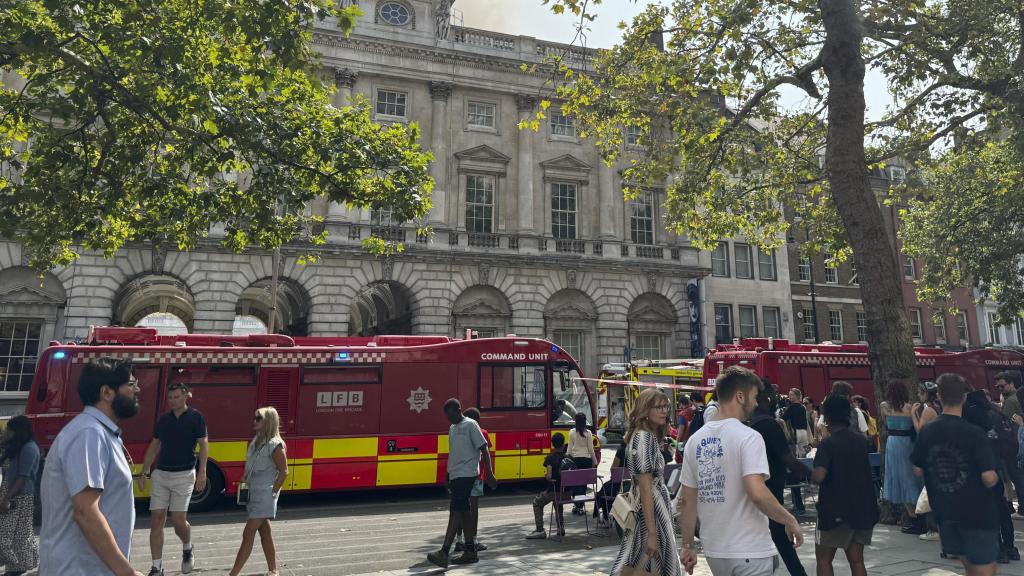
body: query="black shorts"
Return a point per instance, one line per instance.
(979, 546)
(461, 489)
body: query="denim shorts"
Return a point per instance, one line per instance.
(979, 546)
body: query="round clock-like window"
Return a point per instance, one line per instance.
(394, 13)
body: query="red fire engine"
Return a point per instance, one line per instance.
(356, 413)
(814, 367)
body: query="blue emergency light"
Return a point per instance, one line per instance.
(59, 355)
(342, 357)
(554, 349)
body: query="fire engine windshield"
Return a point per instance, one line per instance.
(571, 396)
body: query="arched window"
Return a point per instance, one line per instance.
(484, 309)
(166, 324)
(246, 324)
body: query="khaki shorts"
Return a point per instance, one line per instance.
(842, 536)
(171, 490)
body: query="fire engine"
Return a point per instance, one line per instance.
(814, 367)
(620, 384)
(356, 412)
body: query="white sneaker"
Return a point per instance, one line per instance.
(537, 535)
(929, 536)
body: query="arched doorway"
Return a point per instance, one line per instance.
(256, 303)
(157, 301)
(381, 308)
(484, 309)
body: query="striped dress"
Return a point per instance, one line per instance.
(643, 456)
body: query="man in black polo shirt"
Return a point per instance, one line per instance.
(174, 439)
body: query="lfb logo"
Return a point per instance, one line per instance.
(333, 399)
(419, 399)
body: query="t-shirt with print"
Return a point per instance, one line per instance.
(464, 443)
(715, 461)
(847, 496)
(954, 453)
(776, 449)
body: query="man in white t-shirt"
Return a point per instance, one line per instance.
(845, 389)
(724, 471)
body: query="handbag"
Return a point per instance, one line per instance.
(625, 508)
(639, 569)
(923, 505)
(243, 494)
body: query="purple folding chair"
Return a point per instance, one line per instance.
(609, 490)
(570, 479)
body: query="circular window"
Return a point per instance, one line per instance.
(394, 13)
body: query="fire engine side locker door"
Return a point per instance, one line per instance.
(278, 387)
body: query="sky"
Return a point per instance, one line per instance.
(531, 18)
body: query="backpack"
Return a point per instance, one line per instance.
(697, 423)
(1001, 430)
(567, 463)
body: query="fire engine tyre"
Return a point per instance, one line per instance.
(210, 496)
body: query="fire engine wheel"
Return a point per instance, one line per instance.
(208, 498)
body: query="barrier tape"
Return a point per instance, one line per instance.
(690, 387)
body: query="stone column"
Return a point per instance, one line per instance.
(344, 81)
(607, 199)
(526, 105)
(439, 94)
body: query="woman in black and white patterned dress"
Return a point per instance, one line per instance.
(655, 547)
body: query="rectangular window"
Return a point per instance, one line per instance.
(940, 329)
(995, 335)
(854, 278)
(835, 325)
(909, 268)
(19, 350)
(862, 326)
(766, 265)
(1020, 331)
(480, 204)
(633, 135)
(571, 341)
(481, 114)
(380, 217)
(484, 333)
(744, 265)
(647, 347)
(720, 260)
(562, 125)
(563, 210)
(831, 272)
(804, 268)
(772, 322)
(810, 325)
(961, 328)
(391, 103)
(723, 323)
(641, 218)
(748, 322)
(505, 387)
(915, 323)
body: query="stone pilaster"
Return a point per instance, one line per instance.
(526, 104)
(607, 198)
(440, 92)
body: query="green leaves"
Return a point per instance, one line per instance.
(157, 120)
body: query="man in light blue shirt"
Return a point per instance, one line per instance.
(88, 506)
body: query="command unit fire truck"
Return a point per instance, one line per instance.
(356, 413)
(813, 368)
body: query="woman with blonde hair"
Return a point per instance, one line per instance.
(652, 545)
(266, 467)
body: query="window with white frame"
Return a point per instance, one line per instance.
(723, 323)
(380, 217)
(641, 218)
(647, 347)
(862, 326)
(720, 260)
(744, 263)
(772, 321)
(961, 328)
(898, 174)
(809, 324)
(915, 323)
(748, 321)
(571, 341)
(766, 265)
(909, 268)
(995, 335)
(831, 272)
(480, 204)
(19, 350)
(835, 325)
(633, 135)
(563, 210)
(562, 125)
(481, 114)
(940, 328)
(391, 103)
(804, 269)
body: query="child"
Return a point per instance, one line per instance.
(552, 473)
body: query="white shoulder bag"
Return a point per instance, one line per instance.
(627, 504)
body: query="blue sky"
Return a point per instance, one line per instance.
(531, 18)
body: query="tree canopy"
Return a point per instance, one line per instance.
(135, 120)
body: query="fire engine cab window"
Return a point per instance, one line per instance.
(503, 387)
(570, 395)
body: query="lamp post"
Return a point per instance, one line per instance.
(810, 269)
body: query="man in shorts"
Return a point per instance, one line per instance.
(173, 448)
(467, 447)
(959, 466)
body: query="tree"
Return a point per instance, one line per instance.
(714, 133)
(153, 120)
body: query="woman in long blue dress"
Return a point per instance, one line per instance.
(900, 486)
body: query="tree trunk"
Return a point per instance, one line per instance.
(891, 351)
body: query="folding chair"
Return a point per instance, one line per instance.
(609, 490)
(570, 479)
